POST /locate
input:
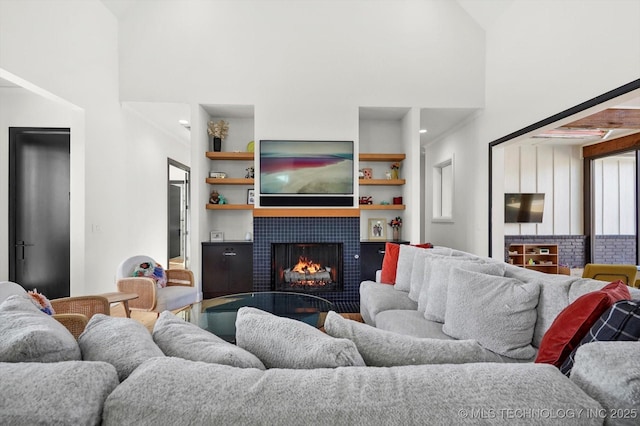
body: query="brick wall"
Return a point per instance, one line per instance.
(615, 249)
(571, 248)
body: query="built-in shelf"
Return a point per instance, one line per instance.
(229, 206)
(249, 156)
(302, 212)
(382, 206)
(381, 157)
(382, 182)
(229, 181)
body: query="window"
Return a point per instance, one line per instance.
(443, 191)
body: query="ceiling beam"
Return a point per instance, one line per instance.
(612, 118)
(613, 146)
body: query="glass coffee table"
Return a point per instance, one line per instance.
(219, 315)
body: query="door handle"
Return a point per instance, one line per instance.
(230, 253)
(22, 245)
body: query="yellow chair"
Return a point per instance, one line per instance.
(604, 272)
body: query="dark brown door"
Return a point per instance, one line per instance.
(39, 209)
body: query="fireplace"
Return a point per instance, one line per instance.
(306, 267)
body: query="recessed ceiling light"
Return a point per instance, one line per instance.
(423, 130)
(185, 123)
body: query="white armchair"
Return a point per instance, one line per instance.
(179, 293)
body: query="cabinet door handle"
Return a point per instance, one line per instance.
(380, 251)
(230, 253)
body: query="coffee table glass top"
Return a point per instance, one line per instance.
(219, 315)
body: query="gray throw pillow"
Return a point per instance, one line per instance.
(406, 255)
(439, 279)
(29, 335)
(61, 393)
(423, 295)
(181, 339)
(417, 274)
(381, 348)
(287, 343)
(122, 342)
(500, 313)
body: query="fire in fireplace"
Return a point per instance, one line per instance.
(306, 267)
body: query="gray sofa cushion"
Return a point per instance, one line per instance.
(411, 323)
(500, 313)
(408, 395)
(417, 274)
(406, 257)
(382, 348)
(62, 393)
(287, 343)
(29, 335)
(440, 278)
(122, 342)
(376, 298)
(178, 338)
(609, 372)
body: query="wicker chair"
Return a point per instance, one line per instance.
(75, 312)
(72, 312)
(179, 293)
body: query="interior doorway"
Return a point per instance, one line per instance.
(39, 209)
(178, 220)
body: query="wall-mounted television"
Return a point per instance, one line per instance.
(523, 207)
(306, 173)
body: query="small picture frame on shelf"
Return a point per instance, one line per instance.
(251, 196)
(215, 236)
(377, 229)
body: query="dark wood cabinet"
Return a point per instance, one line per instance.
(227, 268)
(371, 256)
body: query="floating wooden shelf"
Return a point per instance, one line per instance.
(382, 181)
(249, 156)
(229, 206)
(382, 207)
(229, 181)
(302, 212)
(381, 157)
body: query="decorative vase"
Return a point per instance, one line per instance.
(396, 234)
(394, 173)
(217, 144)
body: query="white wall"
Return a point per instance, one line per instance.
(70, 49)
(614, 195)
(554, 171)
(306, 67)
(539, 62)
(302, 63)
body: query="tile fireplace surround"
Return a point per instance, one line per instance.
(346, 230)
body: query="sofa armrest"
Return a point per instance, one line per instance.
(182, 277)
(609, 372)
(144, 287)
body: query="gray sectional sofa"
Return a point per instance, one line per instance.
(607, 371)
(117, 373)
